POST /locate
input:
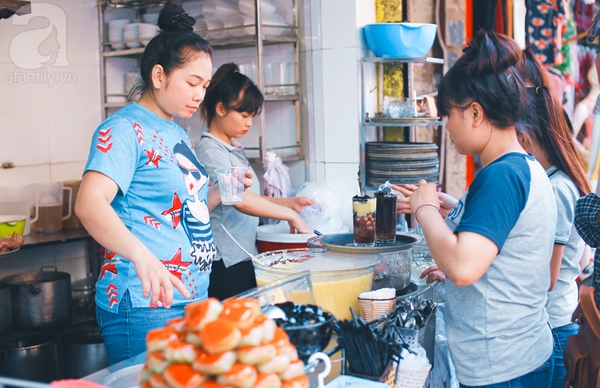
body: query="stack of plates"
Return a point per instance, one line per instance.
(401, 163)
(131, 33)
(150, 18)
(146, 32)
(116, 30)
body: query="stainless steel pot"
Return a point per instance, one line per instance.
(34, 357)
(40, 299)
(83, 352)
(5, 309)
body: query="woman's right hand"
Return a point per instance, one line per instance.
(157, 281)
(447, 202)
(433, 273)
(298, 225)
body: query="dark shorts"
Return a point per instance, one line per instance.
(227, 282)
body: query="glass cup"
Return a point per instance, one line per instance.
(385, 217)
(271, 77)
(231, 184)
(363, 208)
(287, 78)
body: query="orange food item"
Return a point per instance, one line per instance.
(219, 336)
(289, 350)
(298, 382)
(256, 354)
(198, 314)
(183, 376)
(176, 323)
(267, 380)
(293, 370)
(158, 381)
(180, 351)
(214, 384)
(158, 339)
(241, 311)
(156, 362)
(269, 326)
(240, 376)
(253, 335)
(280, 338)
(214, 364)
(277, 365)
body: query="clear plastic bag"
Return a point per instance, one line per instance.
(326, 214)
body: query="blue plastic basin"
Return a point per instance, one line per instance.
(400, 40)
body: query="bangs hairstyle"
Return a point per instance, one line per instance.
(486, 74)
(234, 90)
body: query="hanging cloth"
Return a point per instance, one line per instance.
(545, 22)
(276, 178)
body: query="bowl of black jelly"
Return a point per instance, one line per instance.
(308, 326)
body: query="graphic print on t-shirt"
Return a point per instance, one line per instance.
(194, 215)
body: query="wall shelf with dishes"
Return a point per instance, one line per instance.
(398, 169)
(227, 25)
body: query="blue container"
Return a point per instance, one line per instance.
(400, 40)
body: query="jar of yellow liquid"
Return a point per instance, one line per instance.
(337, 278)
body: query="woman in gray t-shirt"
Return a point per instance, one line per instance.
(230, 104)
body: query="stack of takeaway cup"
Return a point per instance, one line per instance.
(116, 30)
(375, 304)
(131, 35)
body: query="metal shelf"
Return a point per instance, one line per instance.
(438, 61)
(365, 123)
(261, 36)
(403, 124)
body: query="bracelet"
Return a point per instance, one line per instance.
(425, 204)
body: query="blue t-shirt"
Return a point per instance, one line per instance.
(497, 327)
(162, 200)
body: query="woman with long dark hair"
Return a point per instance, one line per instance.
(546, 133)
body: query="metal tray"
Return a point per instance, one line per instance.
(344, 242)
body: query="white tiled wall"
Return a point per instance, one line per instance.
(50, 85)
(332, 46)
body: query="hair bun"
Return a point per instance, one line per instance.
(492, 53)
(173, 18)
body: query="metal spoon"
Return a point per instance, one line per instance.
(238, 244)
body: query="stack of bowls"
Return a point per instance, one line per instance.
(116, 30)
(401, 163)
(131, 34)
(146, 32)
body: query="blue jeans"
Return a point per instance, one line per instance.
(124, 333)
(560, 335)
(539, 378)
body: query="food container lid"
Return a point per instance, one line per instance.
(295, 260)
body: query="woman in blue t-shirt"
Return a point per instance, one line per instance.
(139, 181)
(495, 244)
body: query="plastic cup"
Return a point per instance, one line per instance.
(231, 184)
(385, 224)
(364, 220)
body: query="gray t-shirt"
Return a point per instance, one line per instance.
(562, 300)
(497, 328)
(214, 154)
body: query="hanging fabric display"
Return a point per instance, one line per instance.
(545, 23)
